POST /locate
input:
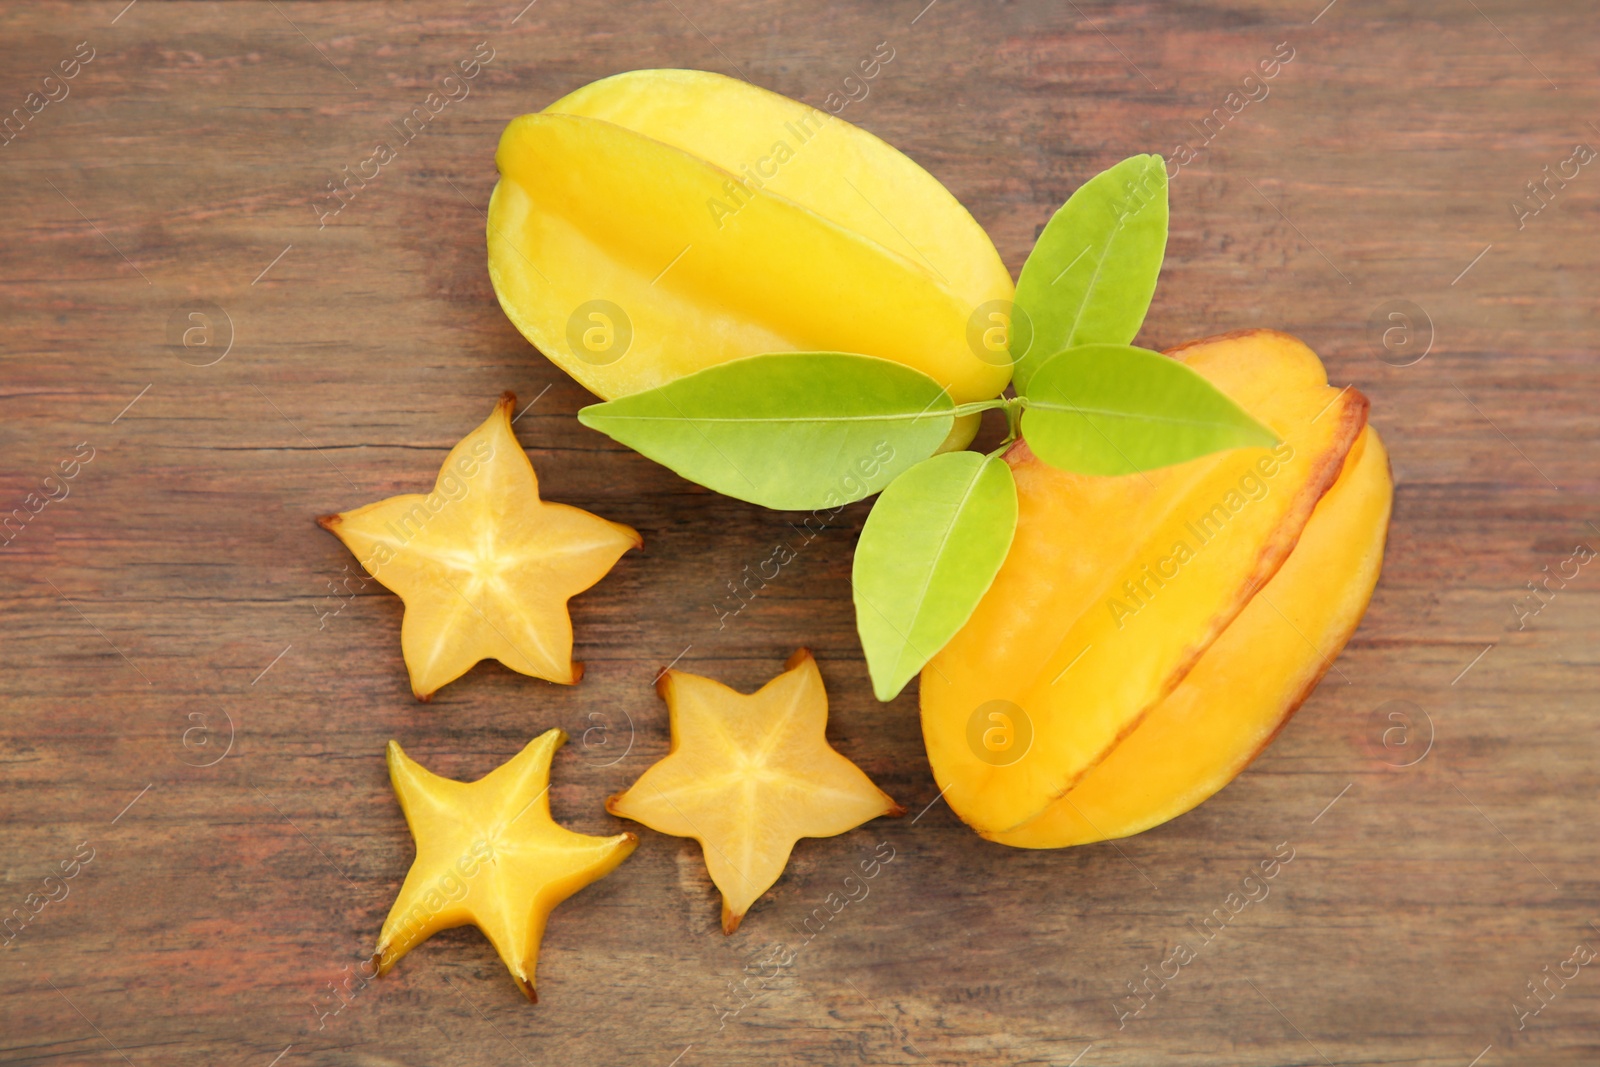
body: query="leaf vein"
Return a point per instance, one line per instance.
(763, 420)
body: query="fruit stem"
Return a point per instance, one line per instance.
(1013, 407)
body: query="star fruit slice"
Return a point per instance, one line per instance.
(1248, 684)
(489, 855)
(661, 221)
(1115, 586)
(485, 567)
(749, 775)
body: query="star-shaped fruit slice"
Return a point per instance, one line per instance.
(484, 566)
(489, 855)
(749, 775)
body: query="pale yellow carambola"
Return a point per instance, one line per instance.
(485, 567)
(635, 239)
(1137, 672)
(747, 776)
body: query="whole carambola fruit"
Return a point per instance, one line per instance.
(1148, 633)
(1249, 682)
(661, 221)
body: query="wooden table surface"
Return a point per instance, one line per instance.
(180, 701)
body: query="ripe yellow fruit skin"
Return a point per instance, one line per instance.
(1060, 636)
(635, 190)
(1249, 683)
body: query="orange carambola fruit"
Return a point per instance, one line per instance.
(661, 221)
(489, 855)
(1248, 683)
(484, 566)
(1115, 588)
(749, 775)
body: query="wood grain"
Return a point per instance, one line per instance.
(178, 586)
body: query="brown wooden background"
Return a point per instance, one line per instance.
(178, 587)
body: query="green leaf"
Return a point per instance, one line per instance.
(1090, 277)
(792, 431)
(1116, 409)
(928, 553)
